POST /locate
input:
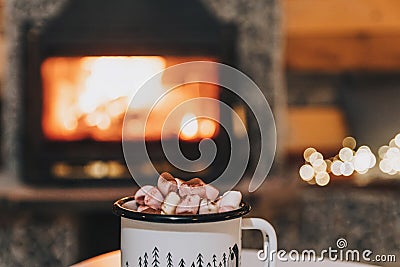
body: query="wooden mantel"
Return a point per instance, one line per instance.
(15, 193)
(342, 35)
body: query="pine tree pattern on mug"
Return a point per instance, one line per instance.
(229, 259)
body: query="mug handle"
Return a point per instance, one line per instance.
(269, 238)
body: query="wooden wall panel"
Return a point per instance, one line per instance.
(330, 17)
(320, 127)
(343, 53)
(340, 35)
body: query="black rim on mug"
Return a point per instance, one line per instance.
(120, 210)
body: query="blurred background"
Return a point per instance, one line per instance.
(329, 69)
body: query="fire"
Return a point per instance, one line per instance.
(87, 97)
(196, 128)
(108, 85)
(113, 78)
(189, 126)
(207, 128)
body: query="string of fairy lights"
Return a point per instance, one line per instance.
(349, 160)
(390, 156)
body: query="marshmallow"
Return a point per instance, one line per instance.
(179, 182)
(188, 205)
(167, 183)
(211, 192)
(170, 203)
(231, 199)
(207, 207)
(175, 196)
(194, 186)
(226, 209)
(132, 205)
(154, 198)
(141, 193)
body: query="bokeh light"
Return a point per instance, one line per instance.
(315, 157)
(390, 156)
(346, 154)
(348, 161)
(306, 172)
(308, 152)
(349, 142)
(322, 178)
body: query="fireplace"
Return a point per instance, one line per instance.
(41, 30)
(50, 33)
(83, 66)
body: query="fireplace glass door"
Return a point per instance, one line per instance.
(88, 97)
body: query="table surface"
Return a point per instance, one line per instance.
(249, 259)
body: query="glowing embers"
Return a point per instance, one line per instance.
(87, 98)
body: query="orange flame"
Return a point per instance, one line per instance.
(87, 97)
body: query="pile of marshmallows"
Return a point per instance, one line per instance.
(174, 196)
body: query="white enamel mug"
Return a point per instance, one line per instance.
(209, 240)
